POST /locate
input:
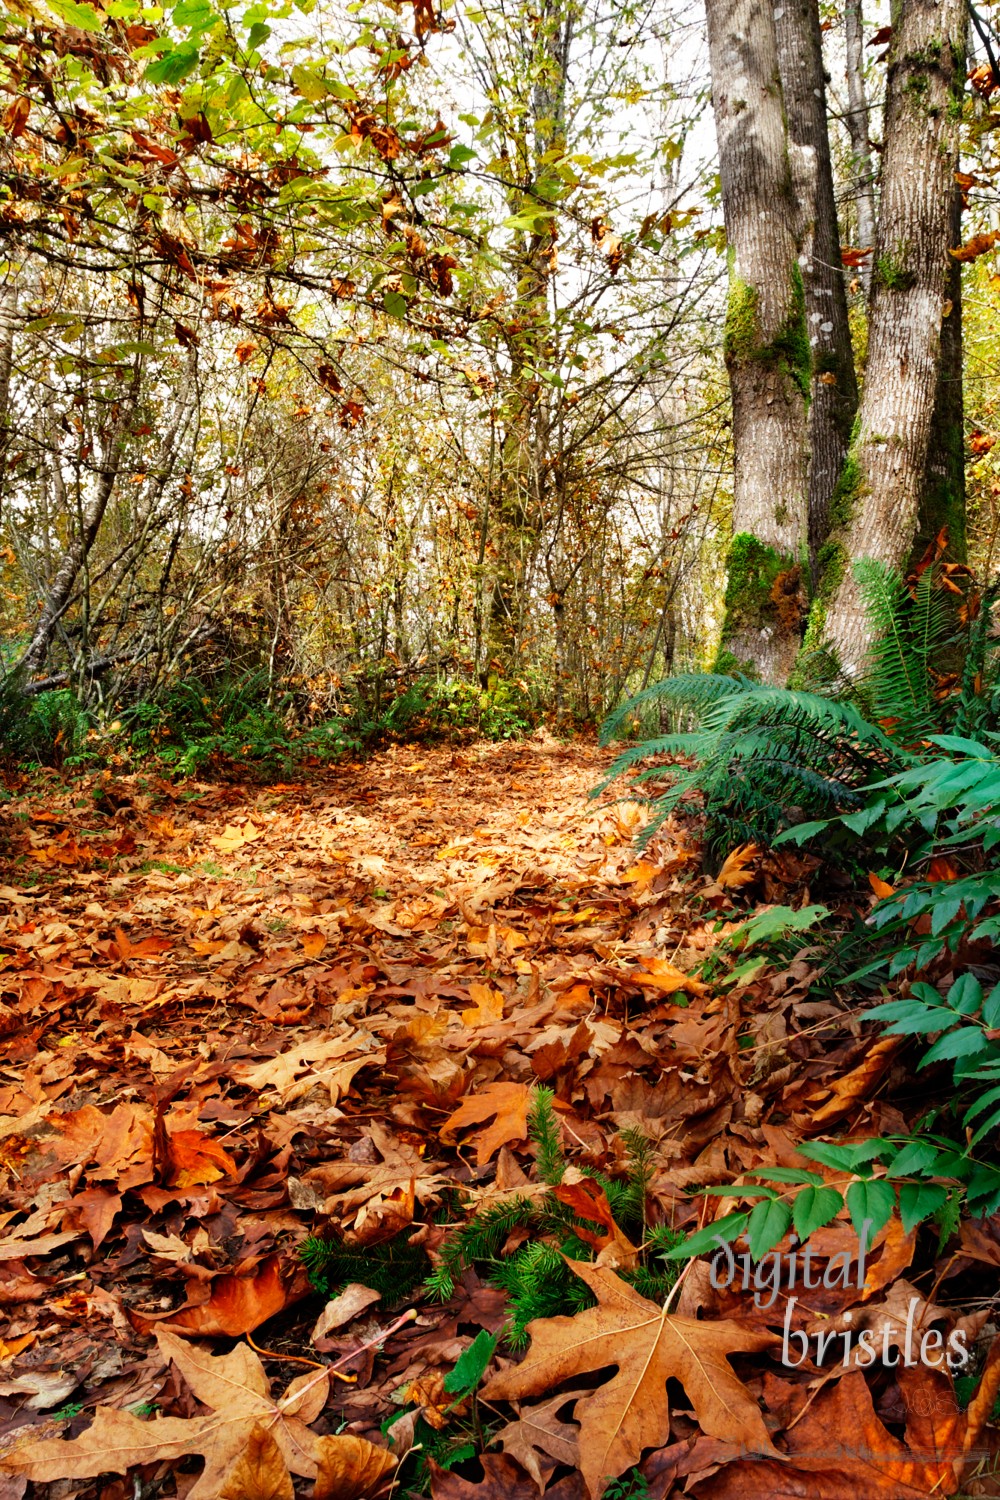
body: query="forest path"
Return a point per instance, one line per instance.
(211, 990)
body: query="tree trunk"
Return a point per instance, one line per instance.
(875, 506)
(862, 171)
(60, 590)
(766, 346)
(834, 384)
(942, 500)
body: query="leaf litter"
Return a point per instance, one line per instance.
(241, 1020)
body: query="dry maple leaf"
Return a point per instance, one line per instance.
(508, 1102)
(734, 872)
(649, 1346)
(237, 1391)
(538, 1440)
(842, 1449)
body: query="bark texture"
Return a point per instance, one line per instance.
(875, 505)
(766, 345)
(834, 383)
(863, 173)
(942, 501)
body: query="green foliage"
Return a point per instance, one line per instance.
(43, 729)
(632, 1485)
(470, 1366)
(393, 1268)
(910, 631)
(536, 1277)
(764, 757)
(543, 1129)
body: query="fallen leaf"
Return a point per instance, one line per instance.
(648, 1347)
(259, 1472)
(507, 1104)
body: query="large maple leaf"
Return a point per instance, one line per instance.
(649, 1346)
(243, 1417)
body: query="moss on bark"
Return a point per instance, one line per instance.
(788, 351)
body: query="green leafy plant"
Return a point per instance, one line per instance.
(393, 1268)
(763, 757)
(535, 1276)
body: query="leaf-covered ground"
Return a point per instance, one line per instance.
(235, 1017)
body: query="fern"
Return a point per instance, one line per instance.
(910, 632)
(763, 756)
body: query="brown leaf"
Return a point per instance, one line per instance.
(648, 1347)
(538, 1440)
(234, 1387)
(350, 1468)
(734, 872)
(234, 1305)
(973, 248)
(259, 1472)
(507, 1104)
(504, 1480)
(15, 116)
(95, 1210)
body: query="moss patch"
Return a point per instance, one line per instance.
(847, 491)
(764, 587)
(789, 351)
(892, 273)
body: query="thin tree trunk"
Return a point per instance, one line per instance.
(834, 383)
(60, 590)
(862, 171)
(875, 505)
(766, 346)
(8, 319)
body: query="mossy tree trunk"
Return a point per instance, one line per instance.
(942, 500)
(875, 506)
(834, 383)
(766, 345)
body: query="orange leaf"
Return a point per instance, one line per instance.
(195, 1159)
(734, 872)
(978, 245)
(881, 887)
(508, 1102)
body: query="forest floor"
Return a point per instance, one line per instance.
(234, 1016)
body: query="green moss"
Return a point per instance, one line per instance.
(742, 342)
(730, 665)
(831, 566)
(751, 570)
(892, 274)
(741, 338)
(847, 491)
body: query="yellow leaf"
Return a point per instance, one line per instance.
(489, 1006)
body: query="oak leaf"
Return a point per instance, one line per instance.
(648, 1346)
